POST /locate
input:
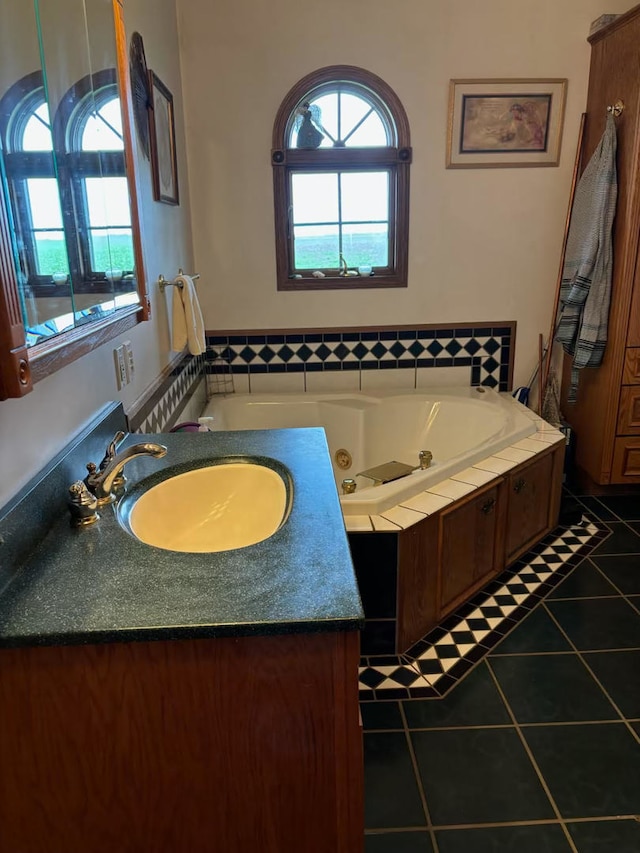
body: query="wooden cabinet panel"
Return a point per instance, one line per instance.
(631, 373)
(626, 461)
(418, 609)
(469, 549)
(629, 411)
(528, 511)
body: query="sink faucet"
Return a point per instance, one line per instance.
(101, 481)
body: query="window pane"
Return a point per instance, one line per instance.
(103, 132)
(352, 109)
(371, 132)
(328, 105)
(316, 247)
(108, 202)
(37, 131)
(51, 253)
(315, 197)
(112, 249)
(44, 202)
(366, 244)
(365, 196)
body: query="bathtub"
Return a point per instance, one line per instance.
(459, 426)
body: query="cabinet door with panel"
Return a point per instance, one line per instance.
(528, 504)
(470, 545)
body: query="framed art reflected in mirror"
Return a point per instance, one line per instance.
(164, 162)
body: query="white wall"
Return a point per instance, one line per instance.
(36, 427)
(484, 243)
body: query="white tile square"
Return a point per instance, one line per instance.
(474, 476)
(427, 502)
(330, 381)
(402, 377)
(402, 516)
(358, 523)
(381, 523)
(513, 454)
(452, 489)
(531, 444)
(274, 383)
(494, 464)
(434, 377)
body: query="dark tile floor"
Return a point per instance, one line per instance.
(537, 749)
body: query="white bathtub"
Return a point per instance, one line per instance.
(459, 426)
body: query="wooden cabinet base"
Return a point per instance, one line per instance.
(446, 558)
(194, 746)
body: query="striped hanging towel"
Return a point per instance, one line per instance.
(585, 289)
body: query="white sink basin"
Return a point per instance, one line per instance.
(217, 508)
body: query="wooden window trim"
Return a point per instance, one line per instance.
(396, 159)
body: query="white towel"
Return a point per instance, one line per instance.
(188, 325)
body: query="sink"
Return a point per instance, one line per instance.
(208, 509)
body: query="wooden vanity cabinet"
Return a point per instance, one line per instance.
(527, 511)
(223, 745)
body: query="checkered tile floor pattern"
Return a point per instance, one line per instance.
(438, 661)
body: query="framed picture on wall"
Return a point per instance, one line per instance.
(498, 123)
(164, 164)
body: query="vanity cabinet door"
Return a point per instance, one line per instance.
(471, 540)
(529, 491)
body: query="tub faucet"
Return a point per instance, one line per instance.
(101, 481)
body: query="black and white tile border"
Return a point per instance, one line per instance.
(433, 665)
(160, 411)
(487, 350)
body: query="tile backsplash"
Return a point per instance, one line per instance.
(477, 354)
(179, 394)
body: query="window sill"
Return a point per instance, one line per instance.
(342, 282)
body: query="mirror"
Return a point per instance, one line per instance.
(72, 259)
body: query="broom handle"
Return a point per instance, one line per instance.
(554, 316)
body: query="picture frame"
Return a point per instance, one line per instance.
(497, 123)
(164, 163)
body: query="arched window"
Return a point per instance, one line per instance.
(341, 156)
(88, 122)
(27, 142)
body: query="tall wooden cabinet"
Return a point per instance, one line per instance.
(606, 417)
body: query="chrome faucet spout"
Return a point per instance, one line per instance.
(101, 482)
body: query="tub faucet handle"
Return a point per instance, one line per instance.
(425, 458)
(348, 486)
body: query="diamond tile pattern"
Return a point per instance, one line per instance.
(438, 661)
(162, 408)
(489, 346)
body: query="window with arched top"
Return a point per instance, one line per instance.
(27, 142)
(341, 157)
(89, 123)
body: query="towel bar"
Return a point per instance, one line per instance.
(163, 282)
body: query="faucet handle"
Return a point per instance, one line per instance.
(109, 456)
(111, 449)
(82, 505)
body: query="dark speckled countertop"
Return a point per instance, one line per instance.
(100, 584)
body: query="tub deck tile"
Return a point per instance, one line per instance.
(513, 454)
(474, 476)
(358, 523)
(532, 444)
(453, 489)
(403, 517)
(380, 523)
(427, 502)
(495, 465)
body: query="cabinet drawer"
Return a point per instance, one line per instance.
(626, 460)
(631, 372)
(629, 411)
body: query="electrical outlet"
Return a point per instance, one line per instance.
(129, 363)
(121, 367)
